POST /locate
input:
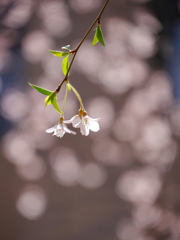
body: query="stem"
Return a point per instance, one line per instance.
(78, 97)
(79, 45)
(64, 101)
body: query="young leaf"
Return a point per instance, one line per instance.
(41, 90)
(55, 104)
(95, 39)
(67, 47)
(58, 53)
(49, 98)
(100, 35)
(65, 65)
(52, 99)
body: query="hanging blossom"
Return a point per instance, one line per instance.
(84, 122)
(60, 129)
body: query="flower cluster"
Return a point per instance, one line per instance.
(82, 121)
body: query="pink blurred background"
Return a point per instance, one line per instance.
(120, 183)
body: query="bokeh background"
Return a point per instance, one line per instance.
(122, 183)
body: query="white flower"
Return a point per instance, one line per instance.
(60, 129)
(84, 122)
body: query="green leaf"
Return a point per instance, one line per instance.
(55, 104)
(49, 98)
(58, 53)
(67, 47)
(95, 39)
(100, 35)
(52, 99)
(41, 90)
(65, 65)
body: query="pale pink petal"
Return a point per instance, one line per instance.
(93, 125)
(60, 133)
(50, 130)
(84, 129)
(69, 131)
(94, 119)
(71, 120)
(76, 122)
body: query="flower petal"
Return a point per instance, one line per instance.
(52, 129)
(59, 126)
(93, 125)
(68, 130)
(71, 120)
(60, 133)
(84, 129)
(76, 122)
(94, 119)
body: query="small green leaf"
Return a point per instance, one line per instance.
(49, 98)
(58, 53)
(100, 35)
(52, 99)
(95, 39)
(67, 47)
(65, 65)
(41, 90)
(55, 104)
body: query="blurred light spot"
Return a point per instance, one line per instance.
(159, 91)
(33, 170)
(140, 68)
(65, 166)
(159, 158)
(119, 77)
(55, 17)
(155, 135)
(137, 104)
(146, 20)
(110, 152)
(31, 202)
(118, 28)
(102, 107)
(14, 105)
(17, 148)
(93, 66)
(35, 46)
(141, 185)
(51, 66)
(92, 176)
(147, 216)
(142, 43)
(126, 230)
(115, 79)
(81, 6)
(115, 48)
(125, 127)
(19, 14)
(36, 124)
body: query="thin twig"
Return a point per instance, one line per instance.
(79, 45)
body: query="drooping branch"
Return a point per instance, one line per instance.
(74, 52)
